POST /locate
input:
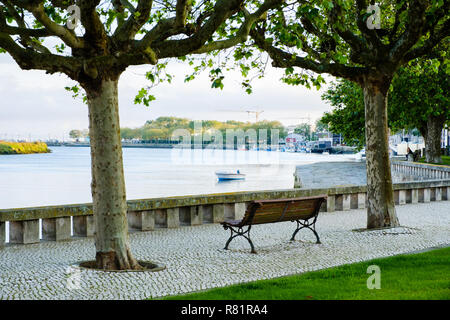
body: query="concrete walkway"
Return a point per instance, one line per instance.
(195, 259)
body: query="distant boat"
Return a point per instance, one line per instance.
(230, 175)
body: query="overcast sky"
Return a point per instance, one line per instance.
(35, 105)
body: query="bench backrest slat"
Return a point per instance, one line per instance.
(267, 211)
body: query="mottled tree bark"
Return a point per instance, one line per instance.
(108, 183)
(433, 139)
(380, 193)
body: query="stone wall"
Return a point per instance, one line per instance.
(59, 223)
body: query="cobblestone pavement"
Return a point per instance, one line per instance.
(195, 259)
(327, 174)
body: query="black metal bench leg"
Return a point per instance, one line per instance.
(295, 232)
(317, 236)
(230, 238)
(251, 244)
(306, 225)
(240, 233)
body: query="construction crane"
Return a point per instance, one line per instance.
(257, 113)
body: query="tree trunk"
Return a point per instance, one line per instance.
(433, 139)
(380, 193)
(108, 182)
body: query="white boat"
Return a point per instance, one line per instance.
(230, 175)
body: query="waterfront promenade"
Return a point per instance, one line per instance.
(195, 259)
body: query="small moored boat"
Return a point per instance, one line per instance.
(230, 175)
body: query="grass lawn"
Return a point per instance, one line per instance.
(416, 276)
(445, 160)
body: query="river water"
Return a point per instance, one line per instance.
(64, 176)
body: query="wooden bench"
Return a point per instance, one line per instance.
(304, 211)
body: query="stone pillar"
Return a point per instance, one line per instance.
(346, 202)
(218, 213)
(24, 232)
(56, 229)
(396, 197)
(141, 220)
(331, 203)
(414, 195)
(361, 200)
(173, 218)
(206, 213)
(447, 193)
(83, 226)
(2, 233)
(438, 194)
(239, 210)
(401, 197)
(354, 201)
(228, 211)
(426, 195)
(196, 215)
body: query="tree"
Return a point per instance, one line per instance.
(347, 118)
(75, 134)
(340, 38)
(303, 129)
(113, 36)
(418, 98)
(321, 126)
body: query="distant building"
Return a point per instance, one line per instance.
(294, 138)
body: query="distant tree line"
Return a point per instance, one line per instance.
(162, 129)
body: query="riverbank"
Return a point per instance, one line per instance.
(23, 147)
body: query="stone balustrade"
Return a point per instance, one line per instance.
(66, 222)
(421, 169)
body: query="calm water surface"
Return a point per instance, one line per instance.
(64, 176)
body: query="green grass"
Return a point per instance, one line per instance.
(23, 147)
(445, 161)
(416, 276)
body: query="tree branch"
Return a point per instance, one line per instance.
(29, 59)
(244, 31)
(283, 59)
(135, 22)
